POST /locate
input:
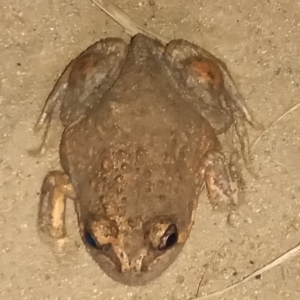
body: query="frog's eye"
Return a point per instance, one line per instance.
(92, 242)
(169, 239)
(90, 239)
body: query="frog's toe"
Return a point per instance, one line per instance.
(55, 189)
(221, 179)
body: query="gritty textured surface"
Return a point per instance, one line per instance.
(260, 43)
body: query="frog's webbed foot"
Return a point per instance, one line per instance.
(54, 99)
(208, 78)
(51, 216)
(222, 179)
(93, 71)
(52, 103)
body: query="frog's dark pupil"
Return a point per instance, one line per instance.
(171, 240)
(89, 239)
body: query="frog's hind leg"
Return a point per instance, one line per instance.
(222, 179)
(208, 78)
(211, 71)
(93, 71)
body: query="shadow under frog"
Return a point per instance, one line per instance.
(140, 141)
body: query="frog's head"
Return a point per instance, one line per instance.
(139, 216)
(136, 253)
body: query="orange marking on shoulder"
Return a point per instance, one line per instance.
(209, 72)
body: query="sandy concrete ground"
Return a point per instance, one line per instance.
(259, 40)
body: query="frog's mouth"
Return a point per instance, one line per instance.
(138, 271)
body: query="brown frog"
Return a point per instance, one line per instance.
(140, 141)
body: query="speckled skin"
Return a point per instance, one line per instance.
(140, 141)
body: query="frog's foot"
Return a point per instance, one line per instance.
(55, 189)
(94, 70)
(51, 104)
(54, 99)
(221, 178)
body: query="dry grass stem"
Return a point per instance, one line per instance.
(126, 22)
(275, 122)
(278, 261)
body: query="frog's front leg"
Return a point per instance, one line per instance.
(55, 190)
(221, 178)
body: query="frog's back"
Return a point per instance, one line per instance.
(147, 104)
(141, 140)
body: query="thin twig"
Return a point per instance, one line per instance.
(201, 280)
(275, 122)
(126, 22)
(278, 261)
(204, 273)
